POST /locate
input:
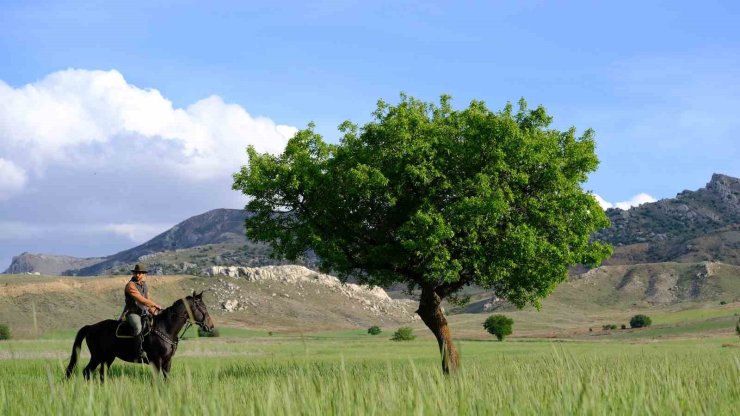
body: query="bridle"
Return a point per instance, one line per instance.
(190, 321)
(191, 317)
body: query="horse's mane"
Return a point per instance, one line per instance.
(173, 309)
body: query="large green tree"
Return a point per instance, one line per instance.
(434, 198)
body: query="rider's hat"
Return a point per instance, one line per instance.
(139, 269)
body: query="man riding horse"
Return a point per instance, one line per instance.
(160, 344)
(138, 306)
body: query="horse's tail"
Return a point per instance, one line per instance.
(81, 334)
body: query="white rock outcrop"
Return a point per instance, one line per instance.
(372, 299)
(297, 275)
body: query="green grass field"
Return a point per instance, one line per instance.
(353, 373)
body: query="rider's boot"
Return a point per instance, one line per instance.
(141, 356)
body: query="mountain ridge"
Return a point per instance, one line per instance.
(701, 225)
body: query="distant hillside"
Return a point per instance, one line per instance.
(281, 298)
(219, 226)
(693, 226)
(296, 299)
(215, 238)
(48, 264)
(641, 286)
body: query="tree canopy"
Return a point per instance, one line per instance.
(433, 197)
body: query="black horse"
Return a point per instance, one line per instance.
(160, 344)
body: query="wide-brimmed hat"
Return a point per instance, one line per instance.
(139, 269)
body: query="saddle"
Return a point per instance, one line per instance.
(125, 331)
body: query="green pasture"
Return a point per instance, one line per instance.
(354, 373)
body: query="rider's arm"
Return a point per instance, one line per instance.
(134, 292)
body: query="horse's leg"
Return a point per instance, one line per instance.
(157, 363)
(105, 367)
(90, 367)
(166, 368)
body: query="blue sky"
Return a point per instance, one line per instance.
(86, 88)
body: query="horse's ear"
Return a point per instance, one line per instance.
(199, 295)
(193, 295)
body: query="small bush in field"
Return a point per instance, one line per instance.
(208, 334)
(498, 325)
(608, 327)
(374, 330)
(4, 332)
(404, 333)
(640, 321)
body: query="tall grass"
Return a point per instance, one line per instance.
(380, 377)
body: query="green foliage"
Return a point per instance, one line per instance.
(640, 321)
(608, 327)
(404, 333)
(498, 325)
(374, 330)
(4, 332)
(624, 326)
(434, 198)
(208, 334)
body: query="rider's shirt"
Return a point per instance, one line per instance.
(137, 298)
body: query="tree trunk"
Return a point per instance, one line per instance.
(432, 315)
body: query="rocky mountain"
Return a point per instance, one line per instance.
(694, 226)
(218, 226)
(221, 227)
(48, 264)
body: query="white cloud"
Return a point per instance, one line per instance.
(12, 179)
(637, 200)
(137, 233)
(604, 204)
(85, 120)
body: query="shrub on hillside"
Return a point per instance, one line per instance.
(374, 330)
(624, 326)
(498, 325)
(4, 332)
(208, 334)
(640, 321)
(405, 333)
(608, 327)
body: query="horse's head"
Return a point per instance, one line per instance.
(198, 312)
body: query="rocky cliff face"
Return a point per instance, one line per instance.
(693, 226)
(47, 264)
